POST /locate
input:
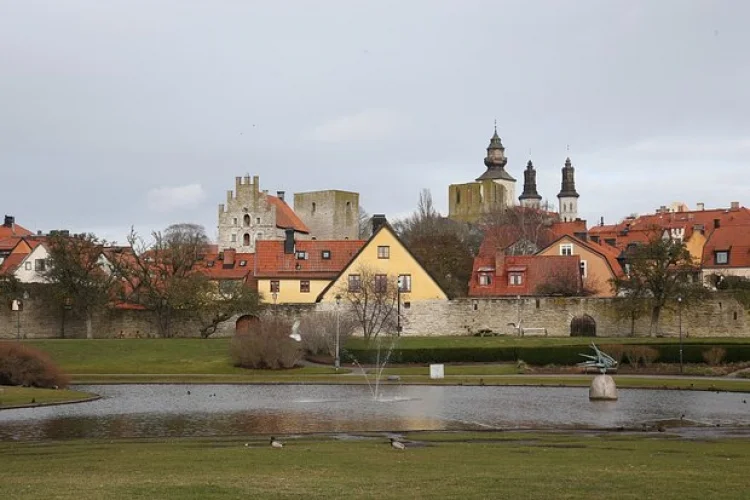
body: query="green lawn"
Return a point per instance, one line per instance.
(22, 396)
(477, 465)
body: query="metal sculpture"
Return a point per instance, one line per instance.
(600, 360)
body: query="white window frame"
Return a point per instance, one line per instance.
(566, 249)
(725, 254)
(485, 279)
(515, 279)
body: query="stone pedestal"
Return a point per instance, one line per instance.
(603, 388)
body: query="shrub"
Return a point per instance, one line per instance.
(21, 364)
(714, 356)
(266, 345)
(616, 351)
(318, 331)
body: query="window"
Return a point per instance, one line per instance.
(722, 257)
(234, 238)
(27, 266)
(515, 279)
(304, 286)
(355, 282)
(234, 221)
(566, 249)
(458, 197)
(301, 255)
(384, 252)
(325, 255)
(314, 207)
(246, 220)
(584, 268)
(40, 265)
(407, 305)
(485, 279)
(210, 263)
(275, 286)
(257, 220)
(610, 241)
(243, 263)
(381, 283)
(404, 283)
(246, 240)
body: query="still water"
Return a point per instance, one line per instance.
(225, 410)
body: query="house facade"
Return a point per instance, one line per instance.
(385, 257)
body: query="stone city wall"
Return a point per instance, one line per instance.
(721, 317)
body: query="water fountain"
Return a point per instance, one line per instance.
(374, 385)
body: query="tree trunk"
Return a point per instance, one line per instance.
(655, 313)
(89, 331)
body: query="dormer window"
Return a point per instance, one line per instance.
(325, 255)
(302, 255)
(243, 263)
(485, 279)
(515, 279)
(721, 257)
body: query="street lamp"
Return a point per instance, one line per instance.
(679, 315)
(67, 306)
(337, 359)
(398, 305)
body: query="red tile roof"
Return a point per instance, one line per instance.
(11, 263)
(535, 269)
(285, 216)
(13, 230)
(641, 229)
(217, 267)
(734, 239)
(271, 261)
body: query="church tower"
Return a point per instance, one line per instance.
(530, 198)
(568, 197)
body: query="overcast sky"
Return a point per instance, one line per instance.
(120, 113)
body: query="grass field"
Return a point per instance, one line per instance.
(21, 396)
(435, 465)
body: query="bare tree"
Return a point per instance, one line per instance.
(365, 224)
(372, 298)
(445, 248)
(162, 276)
(657, 274)
(79, 275)
(520, 230)
(563, 281)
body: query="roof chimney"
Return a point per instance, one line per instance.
(735, 205)
(289, 241)
(280, 195)
(9, 221)
(378, 220)
(229, 254)
(701, 206)
(601, 221)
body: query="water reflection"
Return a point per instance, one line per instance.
(213, 410)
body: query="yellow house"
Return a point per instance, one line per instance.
(386, 257)
(598, 262)
(296, 272)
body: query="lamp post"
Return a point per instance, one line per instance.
(337, 359)
(679, 320)
(398, 305)
(67, 306)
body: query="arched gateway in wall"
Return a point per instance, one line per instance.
(583, 326)
(243, 323)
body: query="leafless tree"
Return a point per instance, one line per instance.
(520, 230)
(372, 298)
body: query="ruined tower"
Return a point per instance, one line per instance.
(330, 215)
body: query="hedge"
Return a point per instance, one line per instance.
(538, 355)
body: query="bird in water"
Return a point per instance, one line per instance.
(275, 443)
(397, 445)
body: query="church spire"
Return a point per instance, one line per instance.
(495, 160)
(568, 195)
(529, 198)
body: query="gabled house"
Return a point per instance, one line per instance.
(385, 255)
(296, 272)
(598, 262)
(500, 275)
(29, 267)
(726, 253)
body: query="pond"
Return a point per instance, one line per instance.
(126, 411)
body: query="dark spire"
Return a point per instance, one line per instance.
(495, 160)
(529, 184)
(568, 189)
